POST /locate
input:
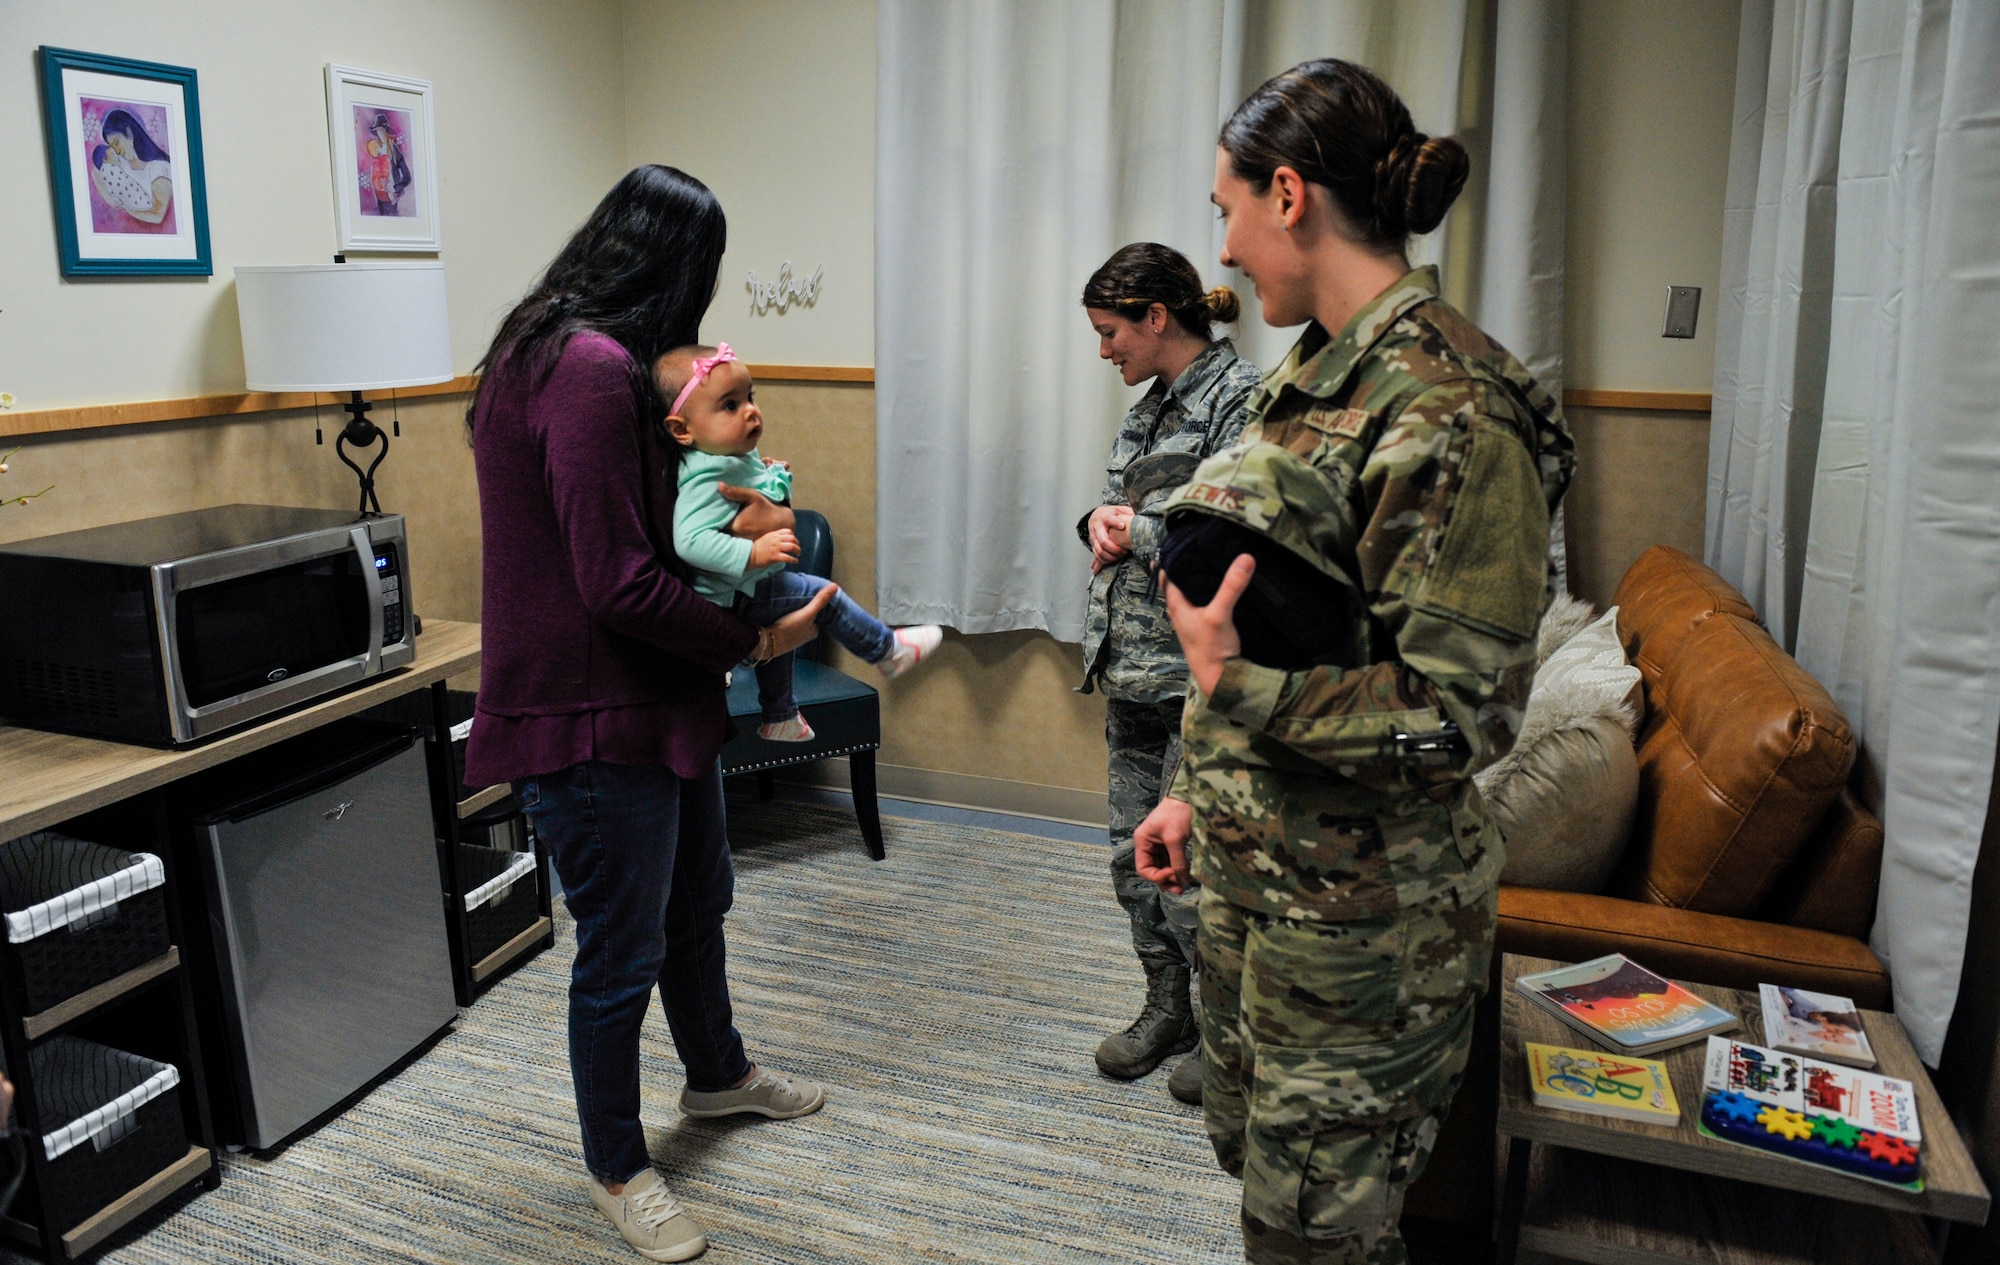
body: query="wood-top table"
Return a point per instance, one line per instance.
(47, 777)
(1619, 1193)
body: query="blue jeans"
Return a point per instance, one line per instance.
(643, 856)
(843, 620)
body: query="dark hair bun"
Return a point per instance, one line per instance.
(1417, 181)
(1341, 127)
(1145, 273)
(1437, 171)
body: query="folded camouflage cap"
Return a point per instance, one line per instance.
(1156, 474)
(1275, 493)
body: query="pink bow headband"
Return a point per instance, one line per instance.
(703, 366)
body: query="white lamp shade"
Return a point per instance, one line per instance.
(343, 327)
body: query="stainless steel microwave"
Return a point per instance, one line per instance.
(169, 630)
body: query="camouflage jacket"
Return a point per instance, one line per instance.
(1128, 645)
(1420, 463)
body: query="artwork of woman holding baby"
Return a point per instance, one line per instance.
(387, 170)
(130, 170)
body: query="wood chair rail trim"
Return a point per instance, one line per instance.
(1640, 401)
(193, 408)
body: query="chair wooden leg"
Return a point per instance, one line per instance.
(767, 784)
(861, 780)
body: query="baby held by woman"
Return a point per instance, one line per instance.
(715, 422)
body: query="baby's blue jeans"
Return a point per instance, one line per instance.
(843, 620)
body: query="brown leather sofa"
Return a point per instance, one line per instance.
(1750, 861)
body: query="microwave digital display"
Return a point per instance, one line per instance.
(243, 634)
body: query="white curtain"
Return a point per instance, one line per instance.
(1521, 277)
(1854, 486)
(1777, 284)
(1018, 143)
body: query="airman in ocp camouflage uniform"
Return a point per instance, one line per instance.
(1348, 868)
(1130, 651)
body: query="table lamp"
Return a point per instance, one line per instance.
(349, 327)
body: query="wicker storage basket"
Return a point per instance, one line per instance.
(500, 897)
(77, 914)
(110, 1121)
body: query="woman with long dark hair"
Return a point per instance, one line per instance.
(1155, 323)
(1409, 465)
(602, 687)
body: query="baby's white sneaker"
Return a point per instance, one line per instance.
(910, 647)
(794, 730)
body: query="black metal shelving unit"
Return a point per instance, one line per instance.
(148, 1011)
(435, 711)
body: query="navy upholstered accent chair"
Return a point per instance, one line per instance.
(845, 714)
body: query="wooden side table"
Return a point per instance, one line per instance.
(1619, 1192)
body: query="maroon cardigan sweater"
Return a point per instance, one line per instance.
(593, 648)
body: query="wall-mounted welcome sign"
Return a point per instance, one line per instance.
(787, 291)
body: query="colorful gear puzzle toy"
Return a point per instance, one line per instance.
(1888, 1148)
(1735, 1107)
(1828, 1141)
(1785, 1122)
(1834, 1131)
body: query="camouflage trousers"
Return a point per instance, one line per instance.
(1145, 743)
(1331, 1052)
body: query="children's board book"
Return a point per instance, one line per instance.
(1836, 1117)
(1601, 1084)
(1623, 1006)
(1817, 1025)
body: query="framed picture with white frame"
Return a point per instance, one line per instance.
(384, 149)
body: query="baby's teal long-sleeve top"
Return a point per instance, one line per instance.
(701, 521)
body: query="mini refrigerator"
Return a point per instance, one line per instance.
(319, 952)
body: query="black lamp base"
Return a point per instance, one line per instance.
(362, 434)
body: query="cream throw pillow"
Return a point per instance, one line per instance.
(1564, 796)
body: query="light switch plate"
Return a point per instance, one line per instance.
(1683, 305)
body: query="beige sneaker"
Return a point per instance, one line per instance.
(794, 730)
(768, 1094)
(909, 647)
(651, 1220)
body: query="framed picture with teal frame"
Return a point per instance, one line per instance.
(125, 165)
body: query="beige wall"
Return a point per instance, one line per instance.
(1650, 91)
(1639, 483)
(529, 133)
(786, 138)
(771, 103)
(995, 720)
(1650, 88)
(1001, 707)
(109, 476)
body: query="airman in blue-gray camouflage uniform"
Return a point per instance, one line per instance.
(1348, 867)
(1131, 653)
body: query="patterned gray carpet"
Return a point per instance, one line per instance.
(951, 996)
